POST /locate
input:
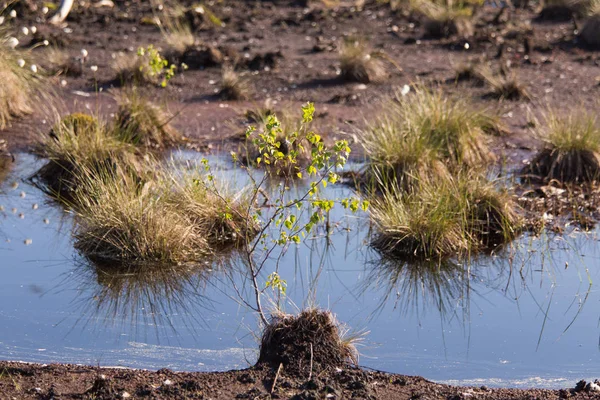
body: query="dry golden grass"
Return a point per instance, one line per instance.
(233, 86)
(572, 151)
(57, 61)
(426, 132)
(359, 64)
(19, 85)
(178, 36)
(444, 216)
(132, 69)
(166, 219)
(79, 142)
(445, 18)
(504, 85)
(140, 122)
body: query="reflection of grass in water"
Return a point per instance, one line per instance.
(416, 286)
(531, 261)
(142, 295)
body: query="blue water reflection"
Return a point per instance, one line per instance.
(516, 318)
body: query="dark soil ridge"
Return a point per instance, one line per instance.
(20, 380)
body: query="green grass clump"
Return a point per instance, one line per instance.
(19, 85)
(142, 123)
(420, 130)
(572, 148)
(444, 217)
(167, 219)
(76, 143)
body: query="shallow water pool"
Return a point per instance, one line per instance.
(527, 316)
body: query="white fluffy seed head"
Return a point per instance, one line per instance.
(12, 42)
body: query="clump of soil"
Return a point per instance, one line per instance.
(305, 344)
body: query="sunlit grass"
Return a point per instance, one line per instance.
(359, 64)
(445, 18)
(233, 86)
(444, 217)
(20, 85)
(572, 146)
(167, 219)
(418, 131)
(79, 142)
(141, 122)
(504, 85)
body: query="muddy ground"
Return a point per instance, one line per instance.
(34, 381)
(288, 51)
(289, 55)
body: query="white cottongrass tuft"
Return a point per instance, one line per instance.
(12, 42)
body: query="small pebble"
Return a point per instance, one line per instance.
(27, 242)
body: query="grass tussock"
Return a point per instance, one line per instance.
(142, 123)
(57, 61)
(168, 219)
(505, 84)
(19, 85)
(76, 143)
(233, 86)
(590, 32)
(359, 64)
(445, 18)
(132, 69)
(468, 71)
(572, 150)
(6, 160)
(311, 342)
(427, 131)
(178, 36)
(444, 217)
